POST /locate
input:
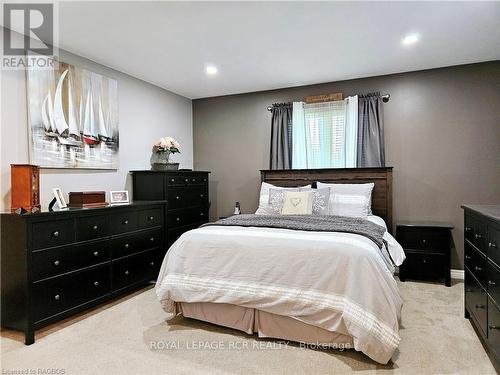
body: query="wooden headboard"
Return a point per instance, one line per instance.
(380, 176)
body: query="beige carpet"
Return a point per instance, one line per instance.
(131, 336)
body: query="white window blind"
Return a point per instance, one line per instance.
(324, 134)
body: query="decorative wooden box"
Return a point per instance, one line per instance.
(25, 187)
(87, 199)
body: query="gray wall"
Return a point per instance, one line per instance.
(146, 113)
(442, 135)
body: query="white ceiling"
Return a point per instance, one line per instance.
(263, 45)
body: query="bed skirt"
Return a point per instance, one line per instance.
(266, 325)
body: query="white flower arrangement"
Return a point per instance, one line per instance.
(167, 144)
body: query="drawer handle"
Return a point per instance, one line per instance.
(177, 219)
(468, 229)
(468, 257)
(468, 290)
(152, 264)
(201, 213)
(55, 234)
(478, 269)
(172, 180)
(150, 218)
(478, 236)
(152, 239)
(127, 273)
(492, 245)
(125, 222)
(56, 263)
(57, 297)
(177, 197)
(96, 283)
(424, 260)
(491, 283)
(95, 227)
(204, 180)
(96, 253)
(494, 327)
(193, 179)
(201, 195)
(187, 179)
(424, 241)
(480, 306)
(127, 246)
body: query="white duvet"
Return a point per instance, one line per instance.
(340, 282)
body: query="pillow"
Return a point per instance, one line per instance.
(364, 190)
(297, 203)
(264, 208)
(349, 205)
(277, 198)
(321, 200)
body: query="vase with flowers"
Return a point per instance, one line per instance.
(160, 155)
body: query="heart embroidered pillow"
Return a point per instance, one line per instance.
(297, 203)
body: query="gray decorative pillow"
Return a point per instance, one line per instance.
(321, 200)
(277, 198)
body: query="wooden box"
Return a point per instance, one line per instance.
(25, 187)
(87, 199)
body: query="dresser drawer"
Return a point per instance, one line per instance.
(178, 197)
(494, 328)
(199, 215)
(475, 262)
(136, 242)
(92, 227)
(123, 222)
(53, 233)
(56, 295)
(52, 262)
(469, 228)
(480, 237)
(198, 179)
(494, 244)
(423, 265)
(134, 269)
(150, 218)
(199, 195)
(493, 282)
(179, 218)
(476, 301)
(176, 180)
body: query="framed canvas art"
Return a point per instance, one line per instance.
(72, 118)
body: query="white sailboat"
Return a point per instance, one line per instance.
(47, 116)
(90, 135)
(62, 127)
(101, 131)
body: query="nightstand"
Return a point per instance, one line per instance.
(427, 248)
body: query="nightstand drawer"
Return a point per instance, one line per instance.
(434, 240)
(423, 265)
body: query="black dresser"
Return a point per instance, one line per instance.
(55, 264)
(427, 248)
(186, 193)
(482, 274)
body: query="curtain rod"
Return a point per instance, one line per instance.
(385, 99)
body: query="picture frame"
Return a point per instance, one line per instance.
(58, 195)
(119, 197)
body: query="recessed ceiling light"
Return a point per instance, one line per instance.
(410, 39)
(211, 70)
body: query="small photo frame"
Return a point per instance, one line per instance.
(59, 198)
(119, 197)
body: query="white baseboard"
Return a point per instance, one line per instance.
(457, 274)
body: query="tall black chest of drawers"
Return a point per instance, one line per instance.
(55, 264)
(482, 274)
(186, 194)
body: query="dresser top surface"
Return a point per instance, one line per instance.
(491, 211)
(45, 212)
(180, 171)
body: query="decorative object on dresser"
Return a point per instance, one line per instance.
(427, 247)
(58, 198)
(25, 187)
(482, 274)
(87, 199)
(119, 197)
(161, 154)
(55, 264)
(186, 193)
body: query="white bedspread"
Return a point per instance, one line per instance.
(341, 282)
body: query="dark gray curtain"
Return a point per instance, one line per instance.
(371, 148)
(281, 136)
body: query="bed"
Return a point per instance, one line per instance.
(328, 289)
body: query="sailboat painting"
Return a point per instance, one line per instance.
(73, 118)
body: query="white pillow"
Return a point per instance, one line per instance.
(297, 203)
(352, 191)
(264, 207)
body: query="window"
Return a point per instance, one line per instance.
(324, 134)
